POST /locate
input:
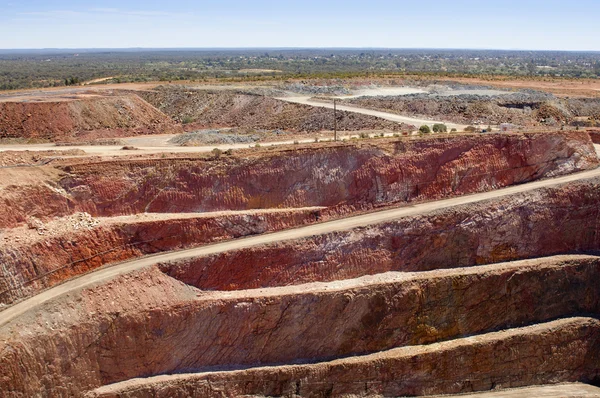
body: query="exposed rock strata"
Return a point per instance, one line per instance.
(349, 177)
(146, 323)
(35, 265)
(543, 222)
(352, 175)
(564, 350)
(69, 119)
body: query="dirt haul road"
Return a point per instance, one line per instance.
(317, 229)
(384, 115)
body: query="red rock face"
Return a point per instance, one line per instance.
(32, 267)
(561, 350)
(354, 176)
(113, 116)
(145, 324)
(347, 177)
(540, 223)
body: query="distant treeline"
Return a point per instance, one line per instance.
(23, 69)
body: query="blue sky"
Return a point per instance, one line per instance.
(524, 24)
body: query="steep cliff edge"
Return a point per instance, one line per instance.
(352, 176)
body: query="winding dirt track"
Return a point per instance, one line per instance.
(383, 115)
(105, 273)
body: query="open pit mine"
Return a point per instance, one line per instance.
(396, 266)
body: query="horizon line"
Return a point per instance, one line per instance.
(283, 49)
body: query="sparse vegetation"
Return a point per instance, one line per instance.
(187, 119)
(217, 153)
(52, 68)
(440, 128)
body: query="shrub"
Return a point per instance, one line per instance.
(187, 119)
(424, 129)
(217, 153)
(440, 128)
(470, 129)
(453, 131)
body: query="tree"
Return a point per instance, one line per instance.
(440, 128)
(424, 129)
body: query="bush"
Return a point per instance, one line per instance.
(363, 135)
(489, 129)
(453, 131)
(440, 128)
(187, 119)
(217, 153)
(424, 129)
(470, 129)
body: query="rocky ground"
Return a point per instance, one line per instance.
(522, 109)
(202, 109)
(83, 118)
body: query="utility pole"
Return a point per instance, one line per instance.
(334, 120)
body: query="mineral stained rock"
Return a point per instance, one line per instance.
(83, 117)
(563, 350)
(538, 223)
(145, 324)
(351, 175)
(36, 264)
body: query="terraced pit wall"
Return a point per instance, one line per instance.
(173, 327)
(540, 223)
(44, 261)
(346, 176)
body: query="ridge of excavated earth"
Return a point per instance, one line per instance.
(83, 118)
(231, 108)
